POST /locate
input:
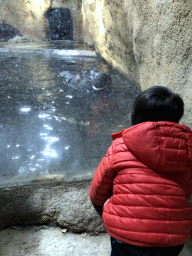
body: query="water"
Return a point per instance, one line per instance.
(49, 127)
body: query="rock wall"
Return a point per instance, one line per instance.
(149, 41)
(28, 16)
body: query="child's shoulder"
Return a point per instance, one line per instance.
(118, 145)
(116, 135)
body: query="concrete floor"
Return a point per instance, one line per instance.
(54, 241)
(50, 241)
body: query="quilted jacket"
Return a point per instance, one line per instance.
(147, 177)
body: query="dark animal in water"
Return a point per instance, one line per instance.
(8, 32)
(88, 82)
(60, 24)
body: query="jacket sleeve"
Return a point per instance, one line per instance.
(102, 184)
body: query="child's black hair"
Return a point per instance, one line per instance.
(158, 103)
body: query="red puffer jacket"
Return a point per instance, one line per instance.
(147, 174)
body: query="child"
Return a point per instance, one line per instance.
(142, 186)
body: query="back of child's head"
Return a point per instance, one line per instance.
(158, 103)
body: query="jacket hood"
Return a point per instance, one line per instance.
(161, 146)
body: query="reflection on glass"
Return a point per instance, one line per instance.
(16, 157)
(48, 127)
(25, 109)
(69, 96)
(73, 53)
(43, 115)
(32, 169)
(48, 151)
(38, 165)
(50, 140)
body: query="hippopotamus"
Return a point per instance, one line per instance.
(86, 94)
(60, 24)
(8, 32)
(87, 82)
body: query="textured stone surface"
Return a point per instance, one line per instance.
(49, 241)
(149, 41)
(28, 16)
(62, 204)
(66, 205)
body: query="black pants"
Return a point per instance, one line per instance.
(123, 249)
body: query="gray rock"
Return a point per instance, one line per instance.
(65, 204)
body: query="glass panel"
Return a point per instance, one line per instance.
(59, 103)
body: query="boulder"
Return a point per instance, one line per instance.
(8, 32)
(55, 203)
